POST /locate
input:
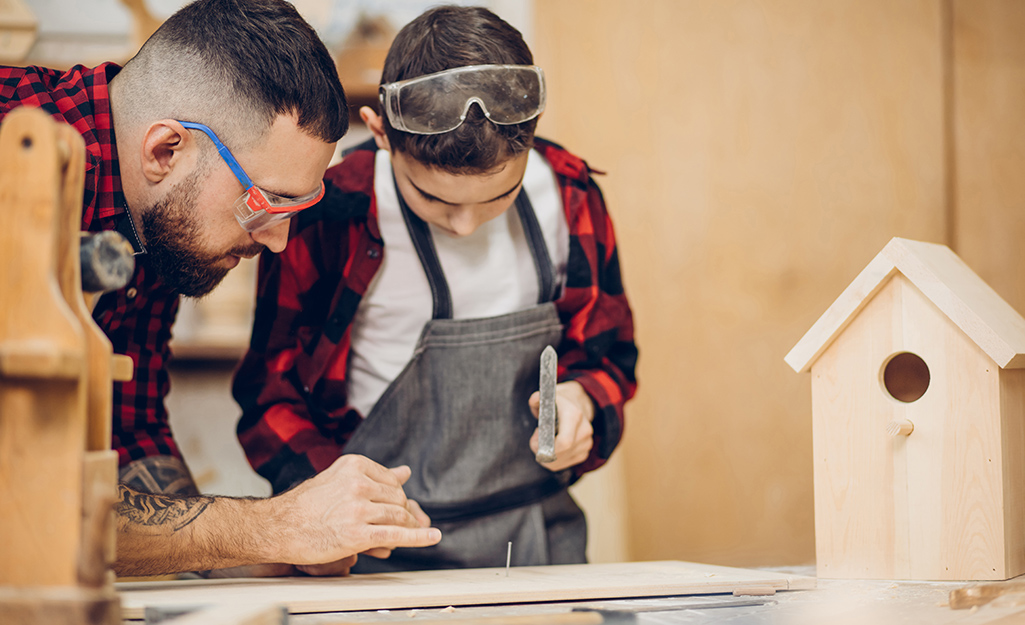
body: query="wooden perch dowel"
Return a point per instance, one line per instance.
(900, 428)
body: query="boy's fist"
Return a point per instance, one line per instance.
(575, 435)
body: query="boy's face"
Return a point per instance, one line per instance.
(458, 204)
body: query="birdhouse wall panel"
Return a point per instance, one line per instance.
(1012, 412)
(953, 454)
(849, 453)
(927, 504)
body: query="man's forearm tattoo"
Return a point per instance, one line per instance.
(159, 510)
(164, 475)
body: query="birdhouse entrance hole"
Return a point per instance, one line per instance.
(906, 377)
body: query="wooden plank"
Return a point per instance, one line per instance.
(461, 587)
(235, 614)
(1012, 439)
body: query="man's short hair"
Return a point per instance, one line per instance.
(236, 65)
(456, 36)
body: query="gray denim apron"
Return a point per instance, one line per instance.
(457, 414)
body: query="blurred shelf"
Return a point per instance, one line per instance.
(206, 352)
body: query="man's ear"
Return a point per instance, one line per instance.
(163, 146)
(376, 126)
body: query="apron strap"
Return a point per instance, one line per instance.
(536, 240)
(420, 233)
(501, 501)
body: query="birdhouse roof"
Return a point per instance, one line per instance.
(946, 281)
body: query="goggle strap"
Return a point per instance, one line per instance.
(225, 153)
(236, 169)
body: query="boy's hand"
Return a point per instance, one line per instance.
(575, 436)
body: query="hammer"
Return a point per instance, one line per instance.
(547, 415)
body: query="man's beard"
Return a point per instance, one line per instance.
(172, 234)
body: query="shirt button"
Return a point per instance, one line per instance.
(306, 389)
(131, 293)
(373, 252)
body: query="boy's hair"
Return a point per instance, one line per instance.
(443, 38)
(236, 65)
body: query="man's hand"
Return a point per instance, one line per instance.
(330, 569)
(575, 436)
(355, 506)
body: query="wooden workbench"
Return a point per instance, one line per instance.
(833, 602)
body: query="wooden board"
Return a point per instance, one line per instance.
(421, 589)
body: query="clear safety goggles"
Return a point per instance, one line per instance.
(257, 209)
(438, 102)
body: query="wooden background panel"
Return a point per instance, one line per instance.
(759, 155)
(989, 142)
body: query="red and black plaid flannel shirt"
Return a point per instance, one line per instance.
(291, 384)
(137, 318)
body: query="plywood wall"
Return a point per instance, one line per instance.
(759, 155)
(988, 136)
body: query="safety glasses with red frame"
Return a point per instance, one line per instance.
(257, 209)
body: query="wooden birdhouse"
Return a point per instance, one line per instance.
(918, 411)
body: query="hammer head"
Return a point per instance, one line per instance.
(547, 418)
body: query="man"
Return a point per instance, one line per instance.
(199, 151)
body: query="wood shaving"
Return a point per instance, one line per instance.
(449, 610)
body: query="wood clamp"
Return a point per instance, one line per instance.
(58, 478)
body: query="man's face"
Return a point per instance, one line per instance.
(458, 204)
(172, 231)
(191, 233)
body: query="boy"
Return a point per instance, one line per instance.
(405, 319)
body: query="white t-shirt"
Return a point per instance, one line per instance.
(489, 273)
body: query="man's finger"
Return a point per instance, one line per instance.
(355, 463)
(395, 515)
(329, 569)
(418, 513)
(254, 570)
(371, 491)
(401, 473)
(393, 537)
(395, 476)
